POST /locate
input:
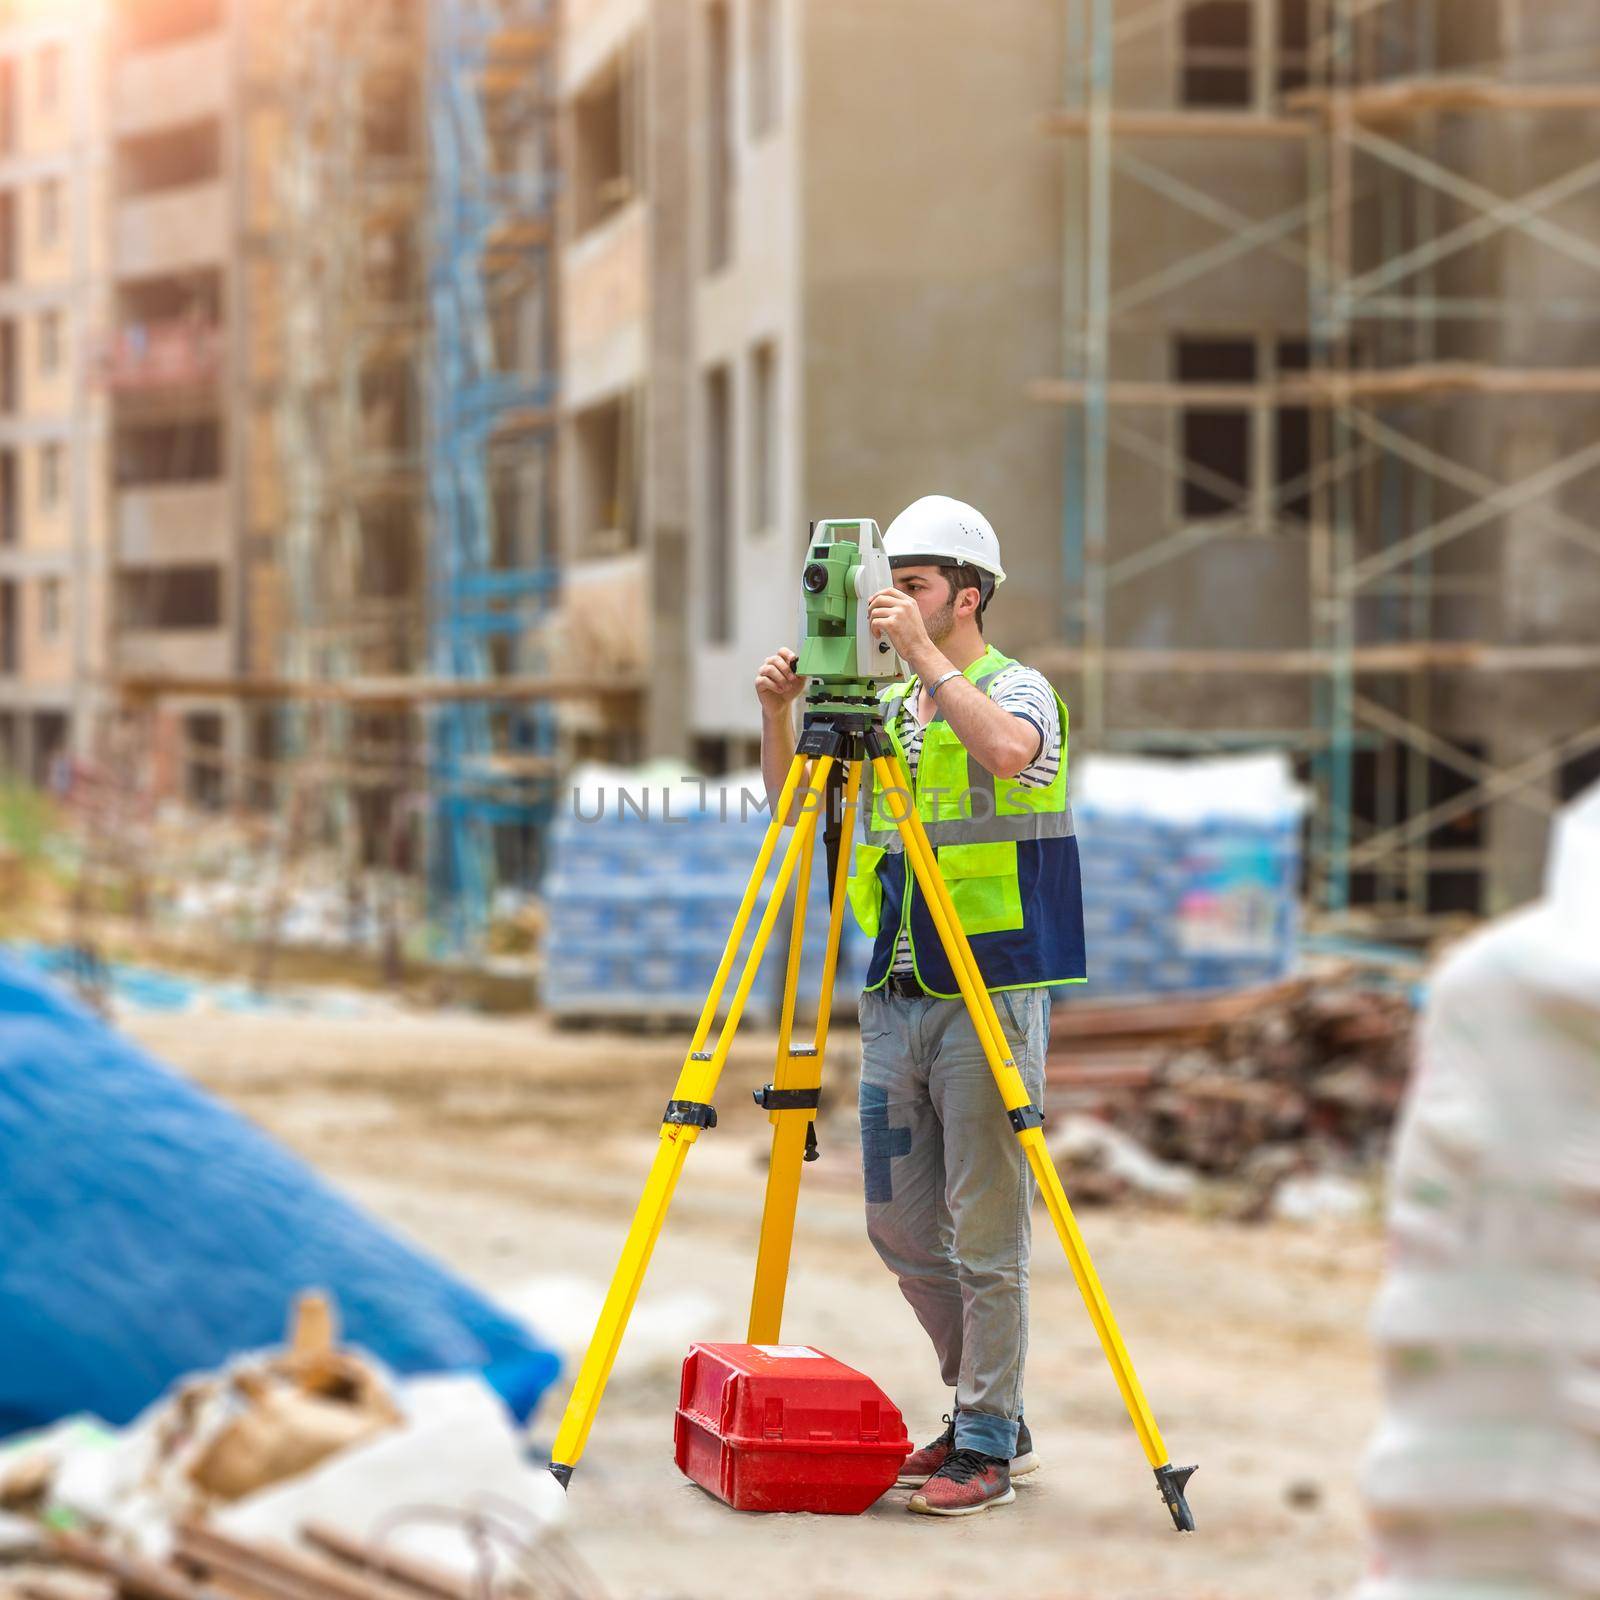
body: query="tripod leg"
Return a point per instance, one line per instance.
(1025, 1119)
(687, 1113)
(798, 1077)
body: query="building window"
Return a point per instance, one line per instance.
(766, 64)
(49, 343)
(764, 438)
(1291, 442)
(8, 235)
(1294, 45)
(50, 212)
(50, 459)
(719, 506)
(8, 105)
(178, 599)
(605, 477)
(50, 608)
(51, 62)
(719, 137)
(10, 637)
(9, 520)
(1216, 437)
(1216, 65)
(605, 133)
(1229, 449)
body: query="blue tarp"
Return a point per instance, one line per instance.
(146, 1231)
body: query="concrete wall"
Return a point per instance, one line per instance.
(932, 238)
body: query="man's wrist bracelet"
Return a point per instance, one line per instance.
(939, 682)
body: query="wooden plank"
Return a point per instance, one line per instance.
(1413, 97)
(1180, 124)
(422, 1576)
(1376, 660)
(391, 692)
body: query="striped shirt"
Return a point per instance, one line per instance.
(1024, 693)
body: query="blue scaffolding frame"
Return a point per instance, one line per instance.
(486, 222)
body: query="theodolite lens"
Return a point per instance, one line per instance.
(815, 578)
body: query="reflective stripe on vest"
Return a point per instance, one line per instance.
(973, 821)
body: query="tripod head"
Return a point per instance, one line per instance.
(845, 566)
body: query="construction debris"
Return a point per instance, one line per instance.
(1251, 1091)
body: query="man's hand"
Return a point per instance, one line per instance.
(895, 615)
(777, 683)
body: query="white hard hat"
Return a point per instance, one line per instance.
(948, 533)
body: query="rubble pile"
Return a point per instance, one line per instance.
(1267, 1097)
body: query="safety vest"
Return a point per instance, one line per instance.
(1007, 853)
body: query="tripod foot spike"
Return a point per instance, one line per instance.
(562, 1474)
(1171, 1480)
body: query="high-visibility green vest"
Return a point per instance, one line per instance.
(1007, 853)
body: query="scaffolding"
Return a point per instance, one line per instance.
(492, 397)
(1439, 388)
(349, 412)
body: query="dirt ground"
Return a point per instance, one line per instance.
(516, 1153)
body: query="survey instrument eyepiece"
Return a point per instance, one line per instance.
(843, 662)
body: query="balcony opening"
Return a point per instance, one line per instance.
(10, 638)
(173, 158)
(10, 522)
(170, 599)
(1217, 59)
(150, 24)
(390, 117)
(719, 505)
(719, 136)
(50, 608)
(172, 297)
(605, 131)
(607, 503)
(766, 64)
(1217, 441)
(168, 333)
(764, 438)
(169, 452)
(204, 760)
(49, 749)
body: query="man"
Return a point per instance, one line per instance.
(983, 741)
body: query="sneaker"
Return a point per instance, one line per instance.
(968, 1482)
(921, 1464)
(1026, 1459)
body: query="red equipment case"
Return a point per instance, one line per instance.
(782, 1427)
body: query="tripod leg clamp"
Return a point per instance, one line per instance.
(690, 1114)
(771, 1099)
(1172, 1480)
(1025, 1117)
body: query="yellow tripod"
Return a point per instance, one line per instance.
(837, 747)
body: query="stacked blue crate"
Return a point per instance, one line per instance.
(1190, 875)
(642, 893)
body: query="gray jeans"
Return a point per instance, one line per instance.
(949, 1191)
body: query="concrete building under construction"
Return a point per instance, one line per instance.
(1259, 327)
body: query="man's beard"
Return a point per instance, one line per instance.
(942, 623)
